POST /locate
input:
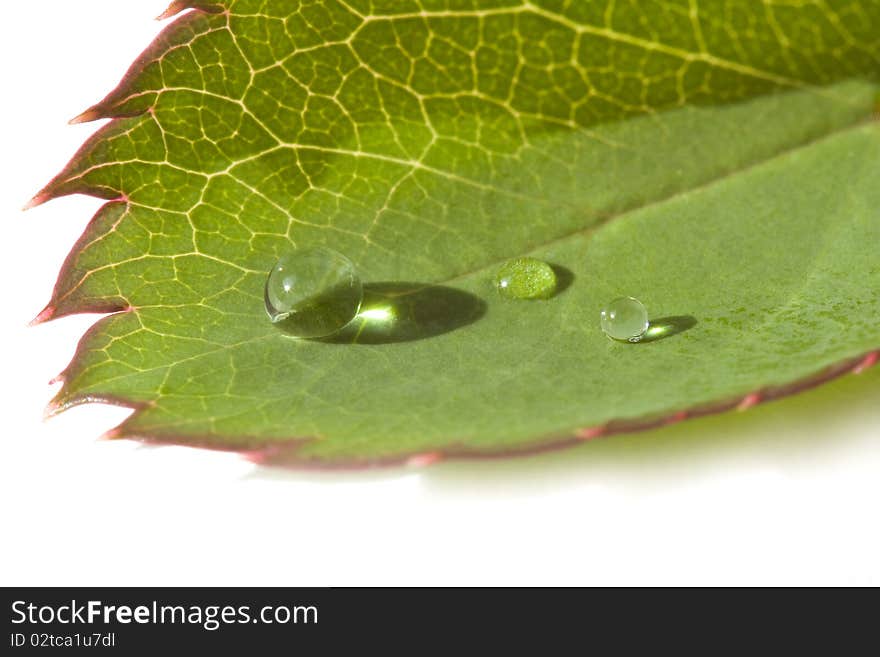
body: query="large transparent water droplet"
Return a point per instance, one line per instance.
(313, 292)
(624, 319)
(526, 278)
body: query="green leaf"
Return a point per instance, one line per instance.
(717, 161)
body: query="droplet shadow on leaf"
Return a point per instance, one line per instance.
(403, 312)
(564, 278)
(666, 327)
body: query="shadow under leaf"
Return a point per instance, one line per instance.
(403, 312)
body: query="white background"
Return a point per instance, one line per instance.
(786, 493)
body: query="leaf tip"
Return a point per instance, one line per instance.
(680, 416)
(90, 114)
(37, 199)
(173, 9)
(424, 460)
(111, 434)
(44, 315)
(590, 433)
(868, 361)
(751, 399)
(55, 406)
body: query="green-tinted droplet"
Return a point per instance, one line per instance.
(526, 278)
(313, 292)
(624, 319)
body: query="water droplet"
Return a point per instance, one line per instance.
(624, 319)
(526, 278)
(314, 292)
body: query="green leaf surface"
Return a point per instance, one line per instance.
(718, 161)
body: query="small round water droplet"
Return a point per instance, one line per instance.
(313, 292)
(526, 278)
(624, 319)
